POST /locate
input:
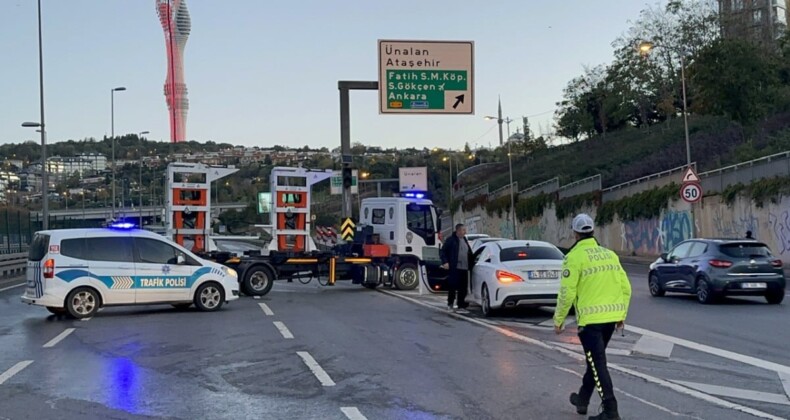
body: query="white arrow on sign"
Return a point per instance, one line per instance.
(691, 192)
(690, 176)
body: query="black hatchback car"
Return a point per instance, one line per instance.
(712, 268)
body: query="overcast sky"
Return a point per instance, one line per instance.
(261, 73)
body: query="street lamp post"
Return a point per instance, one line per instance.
(41, 125)
(645, 47)
(140, 182)
(450, 196)
(112, 135)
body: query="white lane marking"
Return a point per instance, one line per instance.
(59, 338)
(353, 413)
(12, 287)
(744, 394)
(14, 370)
(256, 297)
(549, 323)
(317, 370)
(87, 319)
(572, 354)
(742, 358)
(283, 330)
(266, 309)
(642, 400)
(578, 348)
(785, 378)
(653, 346)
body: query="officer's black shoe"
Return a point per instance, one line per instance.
(609, 412)
(581, 406)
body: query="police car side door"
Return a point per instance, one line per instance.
(110, 259)
(160, 276)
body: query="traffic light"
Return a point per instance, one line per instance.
(347, 178)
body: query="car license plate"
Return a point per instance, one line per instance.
(753, 285)
(543, 274)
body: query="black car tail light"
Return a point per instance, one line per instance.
(721, 263)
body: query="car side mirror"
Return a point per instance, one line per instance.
(664, 257)
(180, 260)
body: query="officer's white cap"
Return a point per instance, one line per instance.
(583, 223)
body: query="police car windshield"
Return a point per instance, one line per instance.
(521, 253)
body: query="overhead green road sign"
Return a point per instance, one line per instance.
(426, 77)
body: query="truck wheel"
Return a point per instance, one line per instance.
(258, 281)
(407, 277)
(209, 297)
(369, 286)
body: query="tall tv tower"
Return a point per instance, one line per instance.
(174, 16)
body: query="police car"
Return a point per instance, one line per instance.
(78, 271)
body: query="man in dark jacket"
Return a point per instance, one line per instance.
(457, 257)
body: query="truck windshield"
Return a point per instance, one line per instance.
(419, 219)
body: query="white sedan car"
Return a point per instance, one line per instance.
(479, 242)
(513, 273)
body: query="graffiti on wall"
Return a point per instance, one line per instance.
(506, 229)
(473, 225)
(641, 236)
(780, 227)
(728, 225)
(534, 232)
(675, 228)
(654, 236)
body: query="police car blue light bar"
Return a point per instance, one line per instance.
(122, 225)
(415, 194)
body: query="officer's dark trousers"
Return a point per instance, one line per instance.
(458, 283)
(595, 338)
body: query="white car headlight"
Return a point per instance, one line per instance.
(230, 272)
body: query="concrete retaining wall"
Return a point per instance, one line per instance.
(651, 237)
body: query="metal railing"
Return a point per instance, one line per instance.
(634, 186)
(12, 265)
(477, 191)
(746, 172)
(499, 192)
(582, 186)
(545, 187)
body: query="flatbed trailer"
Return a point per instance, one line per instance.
(257, 273)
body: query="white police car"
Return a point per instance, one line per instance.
(77, 271)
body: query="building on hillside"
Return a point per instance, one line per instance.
(760, 21)
(98, 161)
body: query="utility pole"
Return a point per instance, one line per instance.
(345, 138)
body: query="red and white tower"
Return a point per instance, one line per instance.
(174, 16)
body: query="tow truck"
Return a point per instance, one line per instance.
(395, 239)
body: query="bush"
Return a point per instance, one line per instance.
(471, 204)
(644, 205)
(532, 207)
(499, 205)
(569, 206)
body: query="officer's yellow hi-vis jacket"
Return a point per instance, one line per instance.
(594, 282)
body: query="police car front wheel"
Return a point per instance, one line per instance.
(83, 302)
(209, 297)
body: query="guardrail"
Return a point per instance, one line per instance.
(12, 264)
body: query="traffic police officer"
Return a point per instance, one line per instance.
(594, 282)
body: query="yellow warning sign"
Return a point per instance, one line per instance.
(347, 229)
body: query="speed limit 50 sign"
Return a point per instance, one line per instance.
(691, 192)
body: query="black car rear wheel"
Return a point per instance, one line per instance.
(705, 294)
(655, 286)
(775, 297)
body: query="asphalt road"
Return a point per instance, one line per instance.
(309, 353)
(744, 325)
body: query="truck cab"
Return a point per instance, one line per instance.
(410, 225)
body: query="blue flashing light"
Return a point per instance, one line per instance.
(414, 194)
(122, 225)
